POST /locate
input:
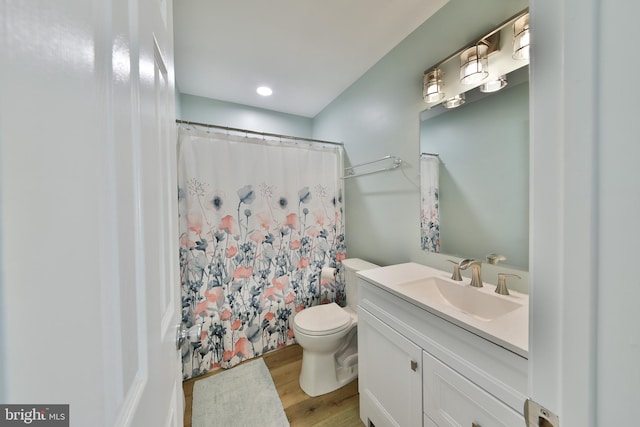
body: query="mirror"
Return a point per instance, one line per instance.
(483, 151)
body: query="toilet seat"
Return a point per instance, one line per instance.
(323, 319)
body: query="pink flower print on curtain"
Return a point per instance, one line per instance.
(430, 203)
(258, 223)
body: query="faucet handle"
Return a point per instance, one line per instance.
(456, 271)
(502, 283)
(495, 258)
(466, 263)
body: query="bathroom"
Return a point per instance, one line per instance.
(582, 199)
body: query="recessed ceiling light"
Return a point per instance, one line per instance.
(264, 91)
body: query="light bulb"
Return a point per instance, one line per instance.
(474, 66)
(455, 101)
(521, 38)
(432, 87)
(494, 85)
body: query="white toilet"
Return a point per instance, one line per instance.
(328, 337)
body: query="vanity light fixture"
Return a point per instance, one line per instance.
(474, 64)
(455, 101)
(521, 37)
(432, 86)
(494, 85)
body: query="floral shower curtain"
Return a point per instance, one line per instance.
(429, 202)
(259, 220)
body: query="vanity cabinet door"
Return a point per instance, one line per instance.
(452, 400)
(389, 375)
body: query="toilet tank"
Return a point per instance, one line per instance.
(351, 267)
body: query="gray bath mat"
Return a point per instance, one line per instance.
(241, 396)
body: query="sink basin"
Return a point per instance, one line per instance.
(501, 319)
(471, 301)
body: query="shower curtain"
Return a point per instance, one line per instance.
(259, 220)
(429, 202)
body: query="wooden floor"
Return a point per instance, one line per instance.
(337, 409)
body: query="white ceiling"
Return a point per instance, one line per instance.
(307, 51)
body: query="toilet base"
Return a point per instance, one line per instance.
(336, 376)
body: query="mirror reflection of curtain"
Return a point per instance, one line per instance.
(429, 207)
(259, 220)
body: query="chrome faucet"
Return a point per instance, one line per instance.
(476, 278)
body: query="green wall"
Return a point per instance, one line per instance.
(379, 115)
(211, 111)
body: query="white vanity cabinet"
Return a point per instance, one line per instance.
(416, 368)
(451, 400)
(390, 394)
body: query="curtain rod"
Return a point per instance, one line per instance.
(246, 131)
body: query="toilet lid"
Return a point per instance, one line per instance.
(322, 319)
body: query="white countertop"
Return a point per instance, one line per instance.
(510, 330)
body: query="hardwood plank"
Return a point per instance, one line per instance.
(340, 408)
(314, 411)
(282, 356)
(346, 416)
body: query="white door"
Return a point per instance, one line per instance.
(154, 396)
(88, 247)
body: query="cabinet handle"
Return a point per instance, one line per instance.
(414, 367)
